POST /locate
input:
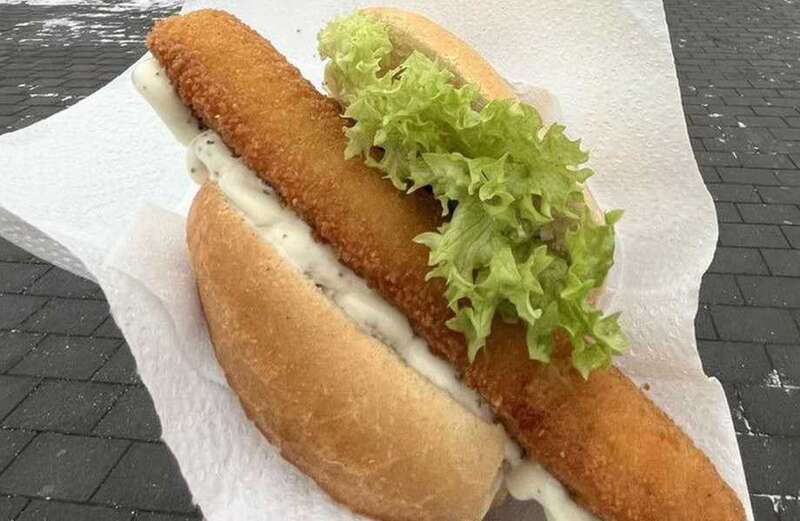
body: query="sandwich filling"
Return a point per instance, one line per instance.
(521, 243)
(209, 159)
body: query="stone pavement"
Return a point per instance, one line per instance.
(79, 437)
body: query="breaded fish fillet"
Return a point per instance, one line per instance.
(614, 450)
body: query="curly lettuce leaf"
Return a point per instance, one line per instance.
(520, 241)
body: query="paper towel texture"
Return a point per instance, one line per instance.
(77, 182)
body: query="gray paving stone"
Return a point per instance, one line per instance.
(738, 260)
(166, 517)
(771, 464)
(714, 158)
(727, 212)
(108, 329)
(747, 176)
(772, 410)
(14, 389)
(75, 358)
(49, 465)
(703, 325)
(786, 359)
(775, 111)
(763, 509)
(14, 345)
(14, 309)
(120, 369)
(133, 416)
(770, 291)
(792, 234)
(709, 174)
(745, 101)
(64, 406)
(751, 235)
(735, 362)
(789, 134)
(769, 213)
(766, 161)
(780, 194)
(148, 478)
(733, 193)
(720, 289)
(60, 283)
(11, 506)
(17, 277)
(11, 443)
(788, 177)
(41, 510)
(746, 324)
(737, 411)
(790, 509)
(762, 121)
(68, 316)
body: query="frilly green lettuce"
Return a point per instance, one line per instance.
(520, 241)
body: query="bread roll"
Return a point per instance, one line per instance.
(337, 403)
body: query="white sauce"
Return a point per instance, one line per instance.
(150, 79)
(292, 238)
(529, 480)
(209, 158)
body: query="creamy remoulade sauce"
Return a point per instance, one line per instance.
(208, 158)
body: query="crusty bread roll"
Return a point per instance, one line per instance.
(412, 32)
(337, 403)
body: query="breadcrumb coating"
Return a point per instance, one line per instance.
(615, 451)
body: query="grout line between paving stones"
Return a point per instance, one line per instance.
(110, 357)
(33, 390)
(102, 297)
(32, 313)
(84, 435)
(710, 316)
(125, 390)
(73, 335)
(134, 511)
(110, 470)
(764, 260)
(44, 379)
(28, 502)
(11, 461)
(45, 272)
(42, 337)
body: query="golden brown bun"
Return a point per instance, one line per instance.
(338, 404)
(412, 32)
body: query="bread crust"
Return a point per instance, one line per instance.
(412, 32)
(338, 404)
(615, 451)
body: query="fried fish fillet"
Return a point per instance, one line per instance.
(615, 451)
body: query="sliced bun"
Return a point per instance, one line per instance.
(412, 32)
(338, 404)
